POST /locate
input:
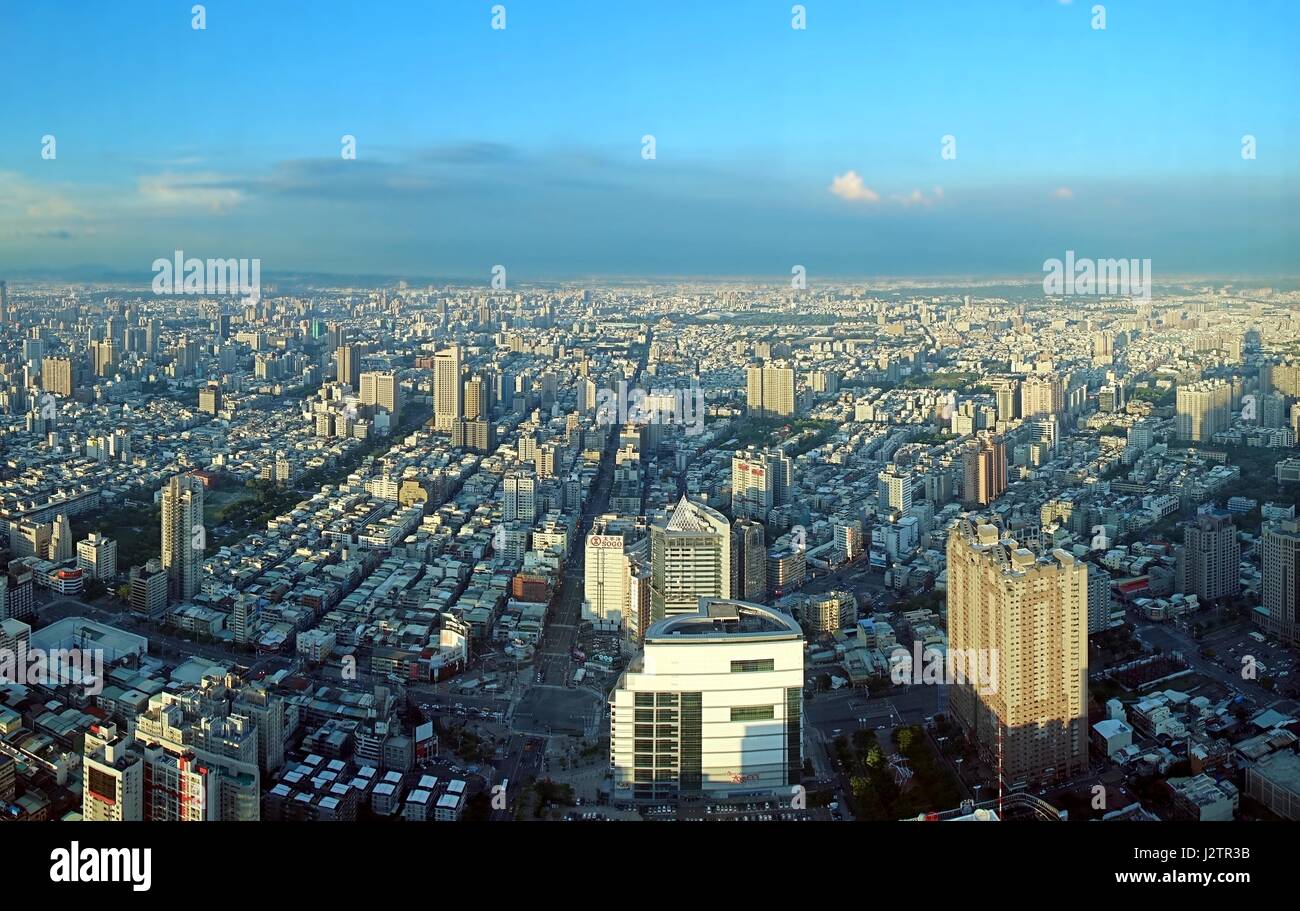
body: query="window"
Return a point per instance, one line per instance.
(753, 713)
(758, 664)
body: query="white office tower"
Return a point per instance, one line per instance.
(447, 402)
(607, 576)
(1018, 644)
(183, 536)
(894, 486)
(520, 503)
(760, 480)
(690, 559)
(712, 707)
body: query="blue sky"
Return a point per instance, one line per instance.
(523, 146)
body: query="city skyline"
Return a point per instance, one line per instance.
(870, 414)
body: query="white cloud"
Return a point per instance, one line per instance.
(190, 191)
(1063, 193)
(849, 186)
(918, 198)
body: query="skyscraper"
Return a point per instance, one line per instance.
(62, 547)
(1208, 562)
(1203, 409)
(183, 536)
(56, 375)
(984, 467)
(1018, 629)
(749, 560)
(760, 480)
(713, 706)
(770, 391)
(1280, 555)
(607, 576)
(448, 405)
(1042, 395)
(347, 360)
(690, 558)
(382, 390)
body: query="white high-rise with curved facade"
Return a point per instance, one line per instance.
(712, 707)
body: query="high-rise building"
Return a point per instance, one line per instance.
(607, 576)
(448, 405)
(1018, 641)
(690, 558)
(712, 707)
(827, 612)
(770, 391)
(1202, 410)
(894, 486)
(1141, 436)
(520, 504)
(850, 538)
(1042, 395)
(760, 480)
(1006, 392)
(984, 468)
(1279, 548)
(1209, 560)
(112, 776)
(382, 390)
(201, 722)
(149, 590)
(210, 398)
(62, 547)
(183, 536)
(787, 567)
(347, 361)
(179, 787)
(16, 587)
(14, 634)
(1101, 613)
(57, 375)
(8, 778)
(476, 398)
(105, 356)
(255, 701)
(749, 560)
